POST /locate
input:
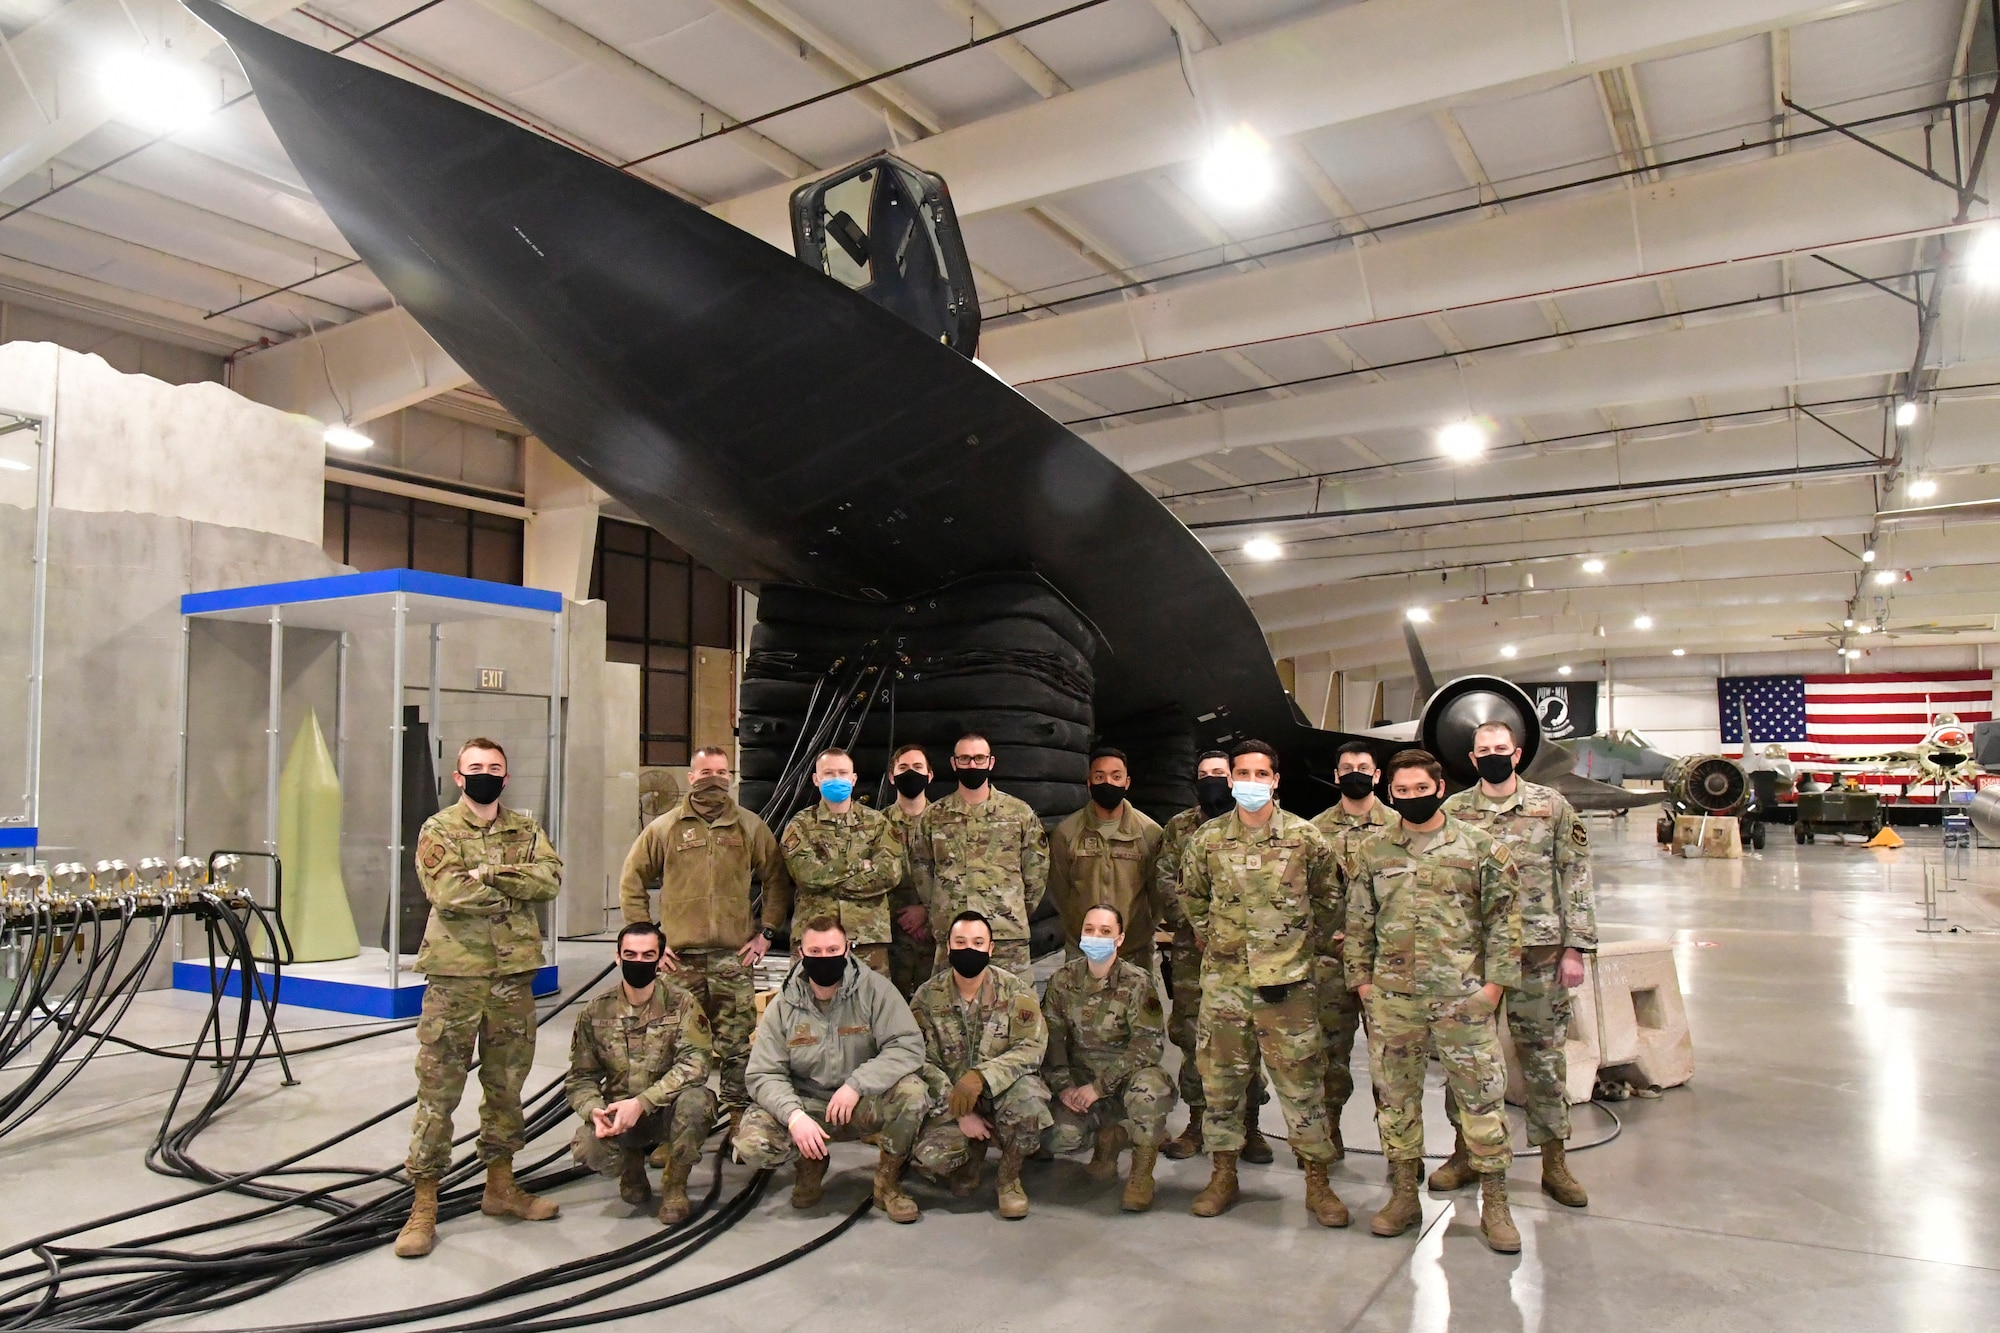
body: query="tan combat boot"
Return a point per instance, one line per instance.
(503, 1198)
(808, 1181)
(1256, 1148)
(1324, 1205)
(1403, 1211)
(659, 1155)
(1456, 1172)
(1111, 1141)
(1189, 1142)
(965, 1176)
(420, 1234)
(1220, 1191)
(674, 1205)
(1139, 1185)
(1013, 1198)
(633, 1186)
(896, 1205)
(1557, 1182)
(1496, 1223)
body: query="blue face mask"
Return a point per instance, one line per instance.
(1252, 796)
(1097, 948)
(836, 790)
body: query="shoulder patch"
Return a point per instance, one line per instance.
(434, 853)
(1578, 836)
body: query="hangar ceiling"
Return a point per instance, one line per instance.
(1681, 265)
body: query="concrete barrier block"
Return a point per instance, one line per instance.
(1627, 1013)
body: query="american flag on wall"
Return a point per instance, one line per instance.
(1836, 717)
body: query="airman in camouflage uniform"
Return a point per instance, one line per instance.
(1551, 852)
(702, 853)
(910, 960)
(843, 864)
(1252, 893)
(660, 1053)
(1091, 862)
(481, 948)
(1432, 919)
(1339, 1007)
(990, 857)
(1000, 1037)
(1184, 994)
(1107, 1035)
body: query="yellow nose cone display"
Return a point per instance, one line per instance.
(317, 916)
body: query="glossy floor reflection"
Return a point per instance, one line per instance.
(1830, 1167)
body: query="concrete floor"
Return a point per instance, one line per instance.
(1830, 1167)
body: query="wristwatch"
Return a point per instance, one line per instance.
(769, 934)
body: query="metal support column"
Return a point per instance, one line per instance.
(340, 708)
(437, 728)
(552, 805)
(273, 738)
(401, 620)
(45, 490)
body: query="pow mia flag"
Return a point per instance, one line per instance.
(1566, 708)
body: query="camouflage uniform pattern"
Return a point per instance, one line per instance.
(991, 858)
(659, 1052)
(843, 865)
(481, 948)
(1184, 964)
(1002, 1034)
(1551, 851)
(1108, 1035)
(1339, 1007)
(726, 989)
(1090, 864)
(890, 1120)
(1432, 919)
(1252, 896)
(910, 960)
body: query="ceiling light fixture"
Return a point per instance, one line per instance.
(1885, 577)
(154, 93)
(1864, 629)
(1508, 650)
(1642, 622)
(1680, 652)
(1563, 670)
(1262, 548)
(1593, 566)
(1238, 171)
(346, 437)
(14, 465)
(1462, 439)
(1418, 615)
(1982, 259)
(1848, 623)
(1921, 488)
(1906, 412)
(1868, 556)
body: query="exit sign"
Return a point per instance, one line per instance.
(492, 678)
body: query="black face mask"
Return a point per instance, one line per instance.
(972, 779)
(969, 963)
(1105, 796)
(910, 784)
(639, 975)
(1213, 794)
(1354, 784)
(483, 788)
(824, 970)
(1418, 809)
(1494, 768)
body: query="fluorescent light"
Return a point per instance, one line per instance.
(1563, 670)
(1508, 650)
(1906, 412)
(1593, 566)
(346, 437)
(1868, 556)
(1982, 260)
(1418, 615)
(14, 465)
(1680, 652)
(1864, 629)
(1238, 171)
(1923, 488)
(154, 93)
(1462, 439)
(1885, 577)
(1262, 548)
(1642, 622)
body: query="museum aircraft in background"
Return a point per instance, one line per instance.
(821, 424)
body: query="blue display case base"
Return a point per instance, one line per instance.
(358, 985)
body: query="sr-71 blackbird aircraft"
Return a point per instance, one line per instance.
(820, 426)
